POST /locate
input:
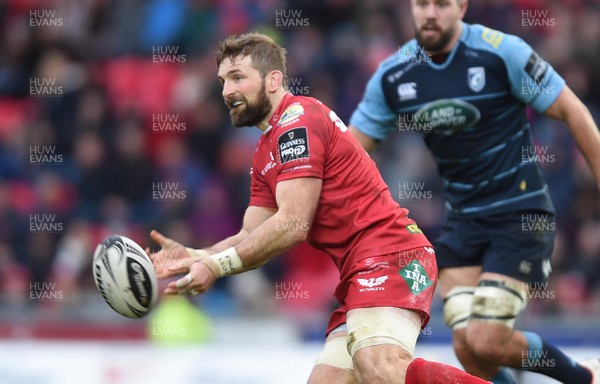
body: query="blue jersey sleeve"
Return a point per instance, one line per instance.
(532, 79)
(373, 116)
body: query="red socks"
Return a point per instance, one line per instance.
(421, 371)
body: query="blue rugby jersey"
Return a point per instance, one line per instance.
(471, 113)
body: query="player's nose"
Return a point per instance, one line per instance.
(228, 90)
(430, 10)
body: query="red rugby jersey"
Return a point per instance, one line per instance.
(356, 216)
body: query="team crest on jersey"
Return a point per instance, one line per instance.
(291, 114)
(476, 78)
(293, 145)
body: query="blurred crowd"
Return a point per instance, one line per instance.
(112, 121)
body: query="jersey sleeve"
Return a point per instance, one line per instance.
(260, 194)
(301, 146)
(373, 116)
(532, 79)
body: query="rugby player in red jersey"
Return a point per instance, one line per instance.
(311, 180)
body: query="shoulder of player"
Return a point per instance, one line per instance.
(399, 56)
(393, 66)
(398, 59)
(480, 37)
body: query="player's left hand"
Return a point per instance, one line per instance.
(199, 280)
(173, 258)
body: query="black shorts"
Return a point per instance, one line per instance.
(515, 244)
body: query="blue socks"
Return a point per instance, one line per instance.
(546, 359)
(503, 377)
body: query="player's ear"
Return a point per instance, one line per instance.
(463, 4)
(274, 81)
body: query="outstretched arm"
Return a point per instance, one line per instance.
(175, 259)
(297, 201)
(568, 108)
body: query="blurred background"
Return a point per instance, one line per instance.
(112, 121)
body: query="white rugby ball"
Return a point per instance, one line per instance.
(125, 276)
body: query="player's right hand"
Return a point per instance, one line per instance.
(173, 258)
(201, 277)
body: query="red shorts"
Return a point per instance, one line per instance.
(404, 279)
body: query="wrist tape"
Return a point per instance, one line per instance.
(224, 263)
(228, 262)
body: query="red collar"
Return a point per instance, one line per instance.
(285, 100)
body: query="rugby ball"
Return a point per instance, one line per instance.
(125, 277)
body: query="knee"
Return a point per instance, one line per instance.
(488, 345)
(459, 343)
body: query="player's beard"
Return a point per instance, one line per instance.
(252, 113)
(434, 45)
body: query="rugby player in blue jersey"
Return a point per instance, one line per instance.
(465, 88)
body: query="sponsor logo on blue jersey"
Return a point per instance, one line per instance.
(447, 116)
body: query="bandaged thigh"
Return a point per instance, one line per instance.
(498, 301)
(382, 325)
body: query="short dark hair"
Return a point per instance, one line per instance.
(266, 54)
